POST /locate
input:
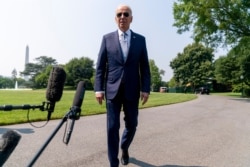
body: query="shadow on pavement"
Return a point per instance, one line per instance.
(21, 130)
(242, 99)
(145, 164)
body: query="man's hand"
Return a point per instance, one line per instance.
(144, 97)
(99, 97)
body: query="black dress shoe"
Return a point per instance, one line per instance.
(125, 157)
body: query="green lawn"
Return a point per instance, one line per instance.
(227, 94)
(89, 106)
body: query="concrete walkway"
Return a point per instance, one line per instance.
(211, 131)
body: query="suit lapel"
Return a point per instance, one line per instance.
(132, 41)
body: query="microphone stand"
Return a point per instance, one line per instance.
(72, 114)
(22, 107)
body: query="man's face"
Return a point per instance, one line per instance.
(123, 17)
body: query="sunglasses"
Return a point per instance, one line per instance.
(126, 14)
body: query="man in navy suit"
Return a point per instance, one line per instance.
(123, 77)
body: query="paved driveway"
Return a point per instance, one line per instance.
(210, 131)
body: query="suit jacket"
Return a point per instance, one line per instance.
(111, 69)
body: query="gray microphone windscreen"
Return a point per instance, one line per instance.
(55, 84)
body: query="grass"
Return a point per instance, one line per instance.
(89, 106)
(228, 94)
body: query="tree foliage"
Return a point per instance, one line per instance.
(226, 69)
(79, 69)
(14, 74)
(172, 83)
(156, 73)
(193, 66)
(236, 63)
(243, 51)
(6, 82)
(44, 61)
(213, 22)
(35, 69)
(41, 79)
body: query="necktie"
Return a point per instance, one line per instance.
(124, 45)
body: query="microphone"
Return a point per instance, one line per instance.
(54, 88)
(75, 111)
(8, 142)
(73, 114)
(79, 95)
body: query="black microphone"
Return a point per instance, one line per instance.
(79, 95)
(75, 111)
(8, 143)
(55, 88)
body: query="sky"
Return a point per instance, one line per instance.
(67, 29)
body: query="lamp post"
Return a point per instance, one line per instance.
(241, 77)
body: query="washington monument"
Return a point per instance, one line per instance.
(26, 60)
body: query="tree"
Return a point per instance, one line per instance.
(194, 65)
(213, 22)
(227, 69)
(35, 69)
(41, 79)
(230, 68)
(155, 76)
(44, 61)
(79, 69)
(242, 50)
(31, 69)
(14, 74)
(6, 82)
(172, 83)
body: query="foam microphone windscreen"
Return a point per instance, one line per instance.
(79, 95)
(8, 143)
(55, 84)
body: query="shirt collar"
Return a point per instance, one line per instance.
(128, 32)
